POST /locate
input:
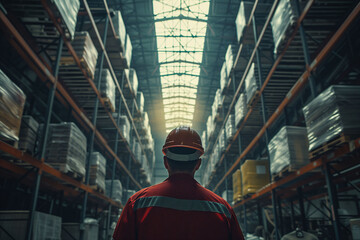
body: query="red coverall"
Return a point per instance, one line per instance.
(178, 208)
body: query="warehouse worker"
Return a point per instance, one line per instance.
(179, 207)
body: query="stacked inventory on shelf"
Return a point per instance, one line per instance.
(28, 134)
(116, 191)
(97, 170)
(12, 101)
(66, 148)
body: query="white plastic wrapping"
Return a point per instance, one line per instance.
(68, 10)
(230, 58)
(243, 18)
(209, 126)
(333, 112)
(12, 101)
(125, 127)
(136, 149)
(97, 170)
(66, 148)
(240, 109)
(288, 147)
(140, 101)
(85, 50)
(217, 103)
(230, 127)
(107, 87)
(119, 26)
(204, 139)
(128, 50)
(251, 84)
(221, 142)
(133, 80)
(283, 23)
(223, 77)
(116, 189)
(28, 133)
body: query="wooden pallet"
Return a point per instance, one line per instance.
(328, 146)
(253, 99)
(97, 188)
(283, 173)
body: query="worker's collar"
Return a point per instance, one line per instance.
(180, 175)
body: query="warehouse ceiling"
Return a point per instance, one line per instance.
(177, 47)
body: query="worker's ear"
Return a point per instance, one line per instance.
(166, 164)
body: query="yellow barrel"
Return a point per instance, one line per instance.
(255, 175)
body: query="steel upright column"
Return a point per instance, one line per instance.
(265, 118)
(114, 161)
(92, 135)
(334, 204)
(44, 141)
(306, 51)
(302, 208)
(129, 161)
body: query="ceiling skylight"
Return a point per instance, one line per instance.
(180, 29)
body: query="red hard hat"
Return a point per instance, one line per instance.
(183, 136)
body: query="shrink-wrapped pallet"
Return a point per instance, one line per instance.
(204, 139)
(15, 222)
(119, 27)
(288, 148)
(283, 23)
(28, 133)
(217, 103)
(107, 89)
(115, 191)
(237, 190)
(133, 80)
(140, 101)
(230, 127)
(124, 126)
(240, 109)
(37, 20)
(85, 50)
(334, 112)
(66, 148)
(136, 149)
(254, 174)
(128, 50)
(12, 101)
(209, 126)
(71, 231)
(222, 140)
(242, 18)
(251, 84)
(97, 170)
(230, 57)
(223, 77)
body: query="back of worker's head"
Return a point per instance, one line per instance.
(182, 149)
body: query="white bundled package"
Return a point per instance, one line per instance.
(333, 112)
(209, 126)
(128, 50)
(97, 170)
(204, 139)
(289, 147)
(251, 84)
(107, 88)
(230, 127)
(140, 101)
(223, 77)
(119, 27)
(116, 189)
(242, 18)
(283, 23)
(133, 80)
(66, 148)
(71, 231)
(125, 127)
(240, 109)
(217, 103)
(230, 58)
(222, 141)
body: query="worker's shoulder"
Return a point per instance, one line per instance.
(211, 196)
(145, 192)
